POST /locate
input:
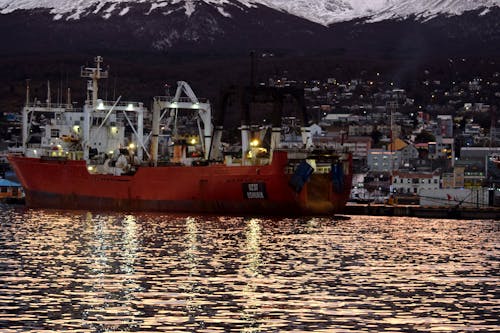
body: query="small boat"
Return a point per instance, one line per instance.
(11, 192)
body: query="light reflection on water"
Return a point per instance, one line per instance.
(90, 272)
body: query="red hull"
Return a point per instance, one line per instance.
(201, 189)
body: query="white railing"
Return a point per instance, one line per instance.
(170, 99)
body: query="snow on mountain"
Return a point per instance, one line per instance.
(320, 11)
(430, 8)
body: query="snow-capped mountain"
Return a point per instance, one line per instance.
(324, 12)
(382, 27)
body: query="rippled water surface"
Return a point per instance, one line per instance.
(90, 272)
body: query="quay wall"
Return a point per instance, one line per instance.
(423, 211)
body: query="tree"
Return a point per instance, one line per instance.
(376, 136)
(425, 136)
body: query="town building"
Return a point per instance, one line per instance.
(414, 182)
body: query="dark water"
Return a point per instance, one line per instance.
(88, 272)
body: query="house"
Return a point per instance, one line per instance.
(443, 148)
(337, 117)
(408, 153)
(414, 182)
(445, 126)
(357, 145)
(383, 160)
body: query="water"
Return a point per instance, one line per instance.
(88, 272)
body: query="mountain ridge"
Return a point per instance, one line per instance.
(324, 12)
(243, 25)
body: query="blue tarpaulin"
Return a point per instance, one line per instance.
(301, 176)
(8, 183)
(338, 177)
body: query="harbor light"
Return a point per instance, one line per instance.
(254, 143)
(131, 146)
(76, 128)
(196, 106)
(130, 107)
(193, 141)
(101, 106)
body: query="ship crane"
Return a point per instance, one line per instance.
(174, 104)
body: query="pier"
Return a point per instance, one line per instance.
(466, 213)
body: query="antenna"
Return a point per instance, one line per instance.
(493, 126)
(27, 92)
(252, 68)
(68, 98)
(95, 74)
(48, 94)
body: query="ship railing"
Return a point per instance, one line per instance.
(170, 99)
(58, 122)
(320, 169)
(55, 107)
(90, 72)
(120, 106)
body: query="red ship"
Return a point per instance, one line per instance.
(82, 159)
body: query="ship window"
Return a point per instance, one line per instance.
(54, 133)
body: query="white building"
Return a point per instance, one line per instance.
(383, 160)
(443, 148)
(413, 182)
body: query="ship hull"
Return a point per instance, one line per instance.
(246, 190)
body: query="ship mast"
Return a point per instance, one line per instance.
(95, 74)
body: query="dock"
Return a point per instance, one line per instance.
(465, 213)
